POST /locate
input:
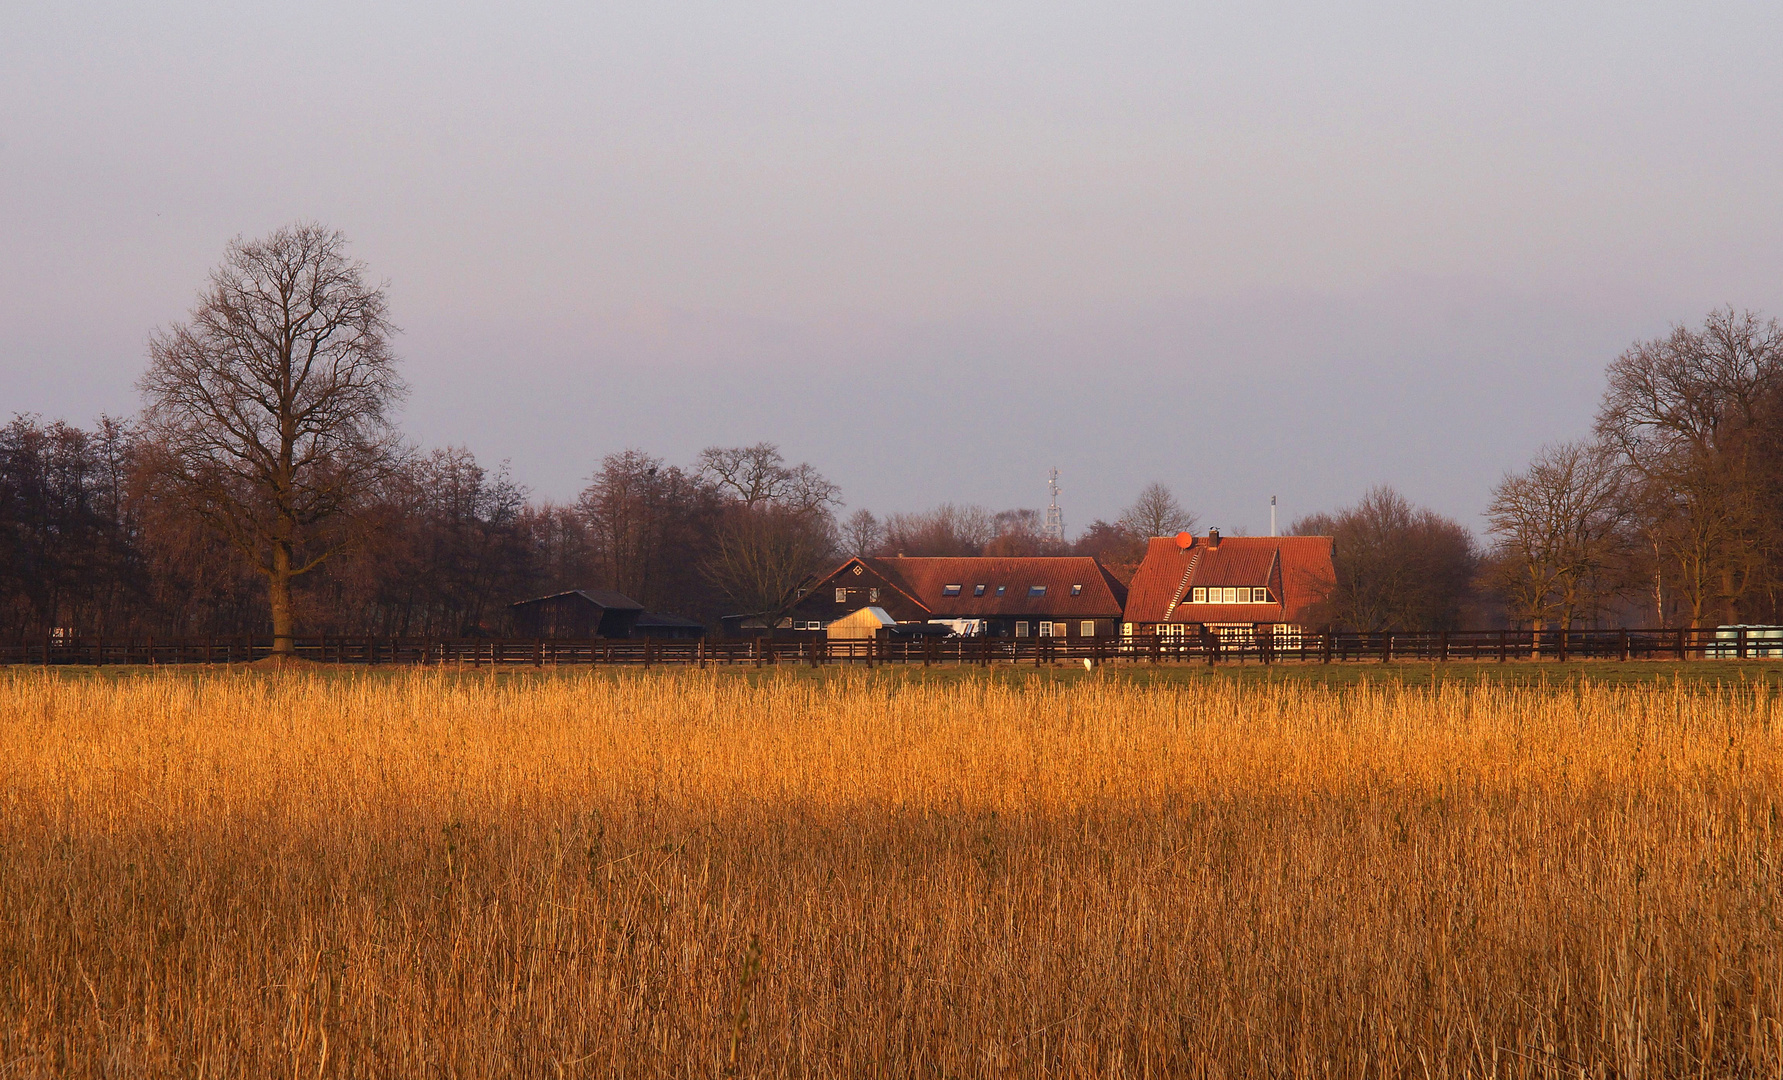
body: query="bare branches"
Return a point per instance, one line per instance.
(1157, 513)
(272, 403)
(1562, 527)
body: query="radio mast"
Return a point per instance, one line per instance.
(1054, 529)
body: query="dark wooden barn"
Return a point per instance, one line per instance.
(578, 613)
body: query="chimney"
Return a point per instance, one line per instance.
(1185, 540)
(1213, 539)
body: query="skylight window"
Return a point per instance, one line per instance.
(1076, 589)
(1036, 591)
(978, 590)
(950, 590)
(1000, 589)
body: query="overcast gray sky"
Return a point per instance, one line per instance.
(934, 248)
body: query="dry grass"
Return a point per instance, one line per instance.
(689, 874)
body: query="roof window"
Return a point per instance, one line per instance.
(978, 590)
(1000, 589)
(1076, 589)
(1036, 590)
(950, 590)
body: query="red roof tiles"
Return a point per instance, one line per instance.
(1101, 595)
(1295, 569)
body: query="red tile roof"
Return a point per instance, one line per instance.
(1296, 568)
(1102, 595)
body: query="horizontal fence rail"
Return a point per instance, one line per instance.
(1727, 643)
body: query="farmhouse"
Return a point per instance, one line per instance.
(1239, 587)
(1017, 597)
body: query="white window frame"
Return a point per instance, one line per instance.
(1199, 595)
(1231, 594)
(1088, 629)
(872, 596)
(1261, 596)
(1046, 629)
(841, 596)
(1021, 629)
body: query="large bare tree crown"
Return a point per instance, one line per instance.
(270, 406)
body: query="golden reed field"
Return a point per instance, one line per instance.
(871, 874)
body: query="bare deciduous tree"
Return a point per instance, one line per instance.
(862, 534)
(779, 529)
(1562, 536)
(1399, 567)
(271, 404)
(1693, 414)
(753, 475)
(1157, 513)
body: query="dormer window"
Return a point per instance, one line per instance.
(1260, 596)
(950, 590)
(978, 590)
(1231, 596)
(1076, 589)
(1036, 591)
(1200, 596)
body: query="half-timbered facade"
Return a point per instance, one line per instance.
(1237, 587)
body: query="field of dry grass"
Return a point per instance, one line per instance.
(696, 874)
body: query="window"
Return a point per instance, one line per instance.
(1046, 629)
(950, 590)
(1200, 596)
(978, 590)
(1231, 596)
(1021, 629)
(858, 569)
(1000, 589)
(1088, 629)
(1061, 629)
(1075, 589)
(872, 596)
(1036, 591)
(1260, 596)
(841, 596)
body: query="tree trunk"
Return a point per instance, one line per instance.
(279, 597)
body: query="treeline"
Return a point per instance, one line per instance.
(265, 484)
(89, 541)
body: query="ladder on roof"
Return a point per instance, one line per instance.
(1182, 587)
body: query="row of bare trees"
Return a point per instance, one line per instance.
(1674, 509)
(266, 458)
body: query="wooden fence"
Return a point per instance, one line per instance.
(1342, 647)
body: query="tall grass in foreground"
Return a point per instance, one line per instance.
(681, 874)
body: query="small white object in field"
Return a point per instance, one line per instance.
(1088, 664)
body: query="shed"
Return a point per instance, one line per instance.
(577, 613)
(655, 624)
(864, 624)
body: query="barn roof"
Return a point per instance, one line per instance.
(1298, 566)
(924, 579)
(601, 598)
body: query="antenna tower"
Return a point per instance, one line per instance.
(1054, 529)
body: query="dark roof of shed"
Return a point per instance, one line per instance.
(924, 577)
(657, 618)
(601, 598)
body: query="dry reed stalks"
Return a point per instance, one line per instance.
(686, 874)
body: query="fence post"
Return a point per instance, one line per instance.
(1560, 652)
(1680, 643)
(1502, 645)
(1623, 642)
(1742, 633)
